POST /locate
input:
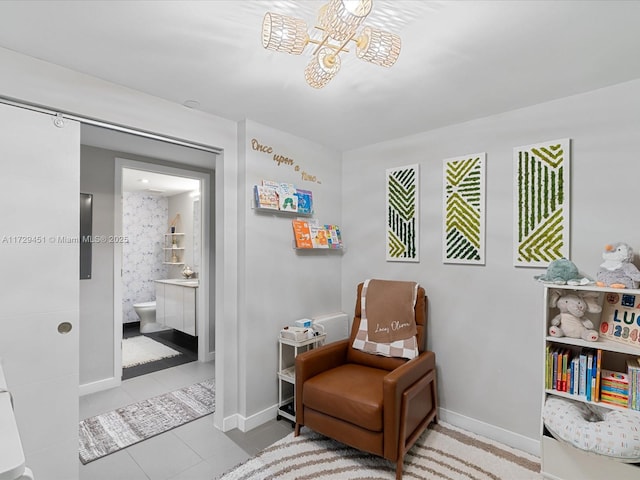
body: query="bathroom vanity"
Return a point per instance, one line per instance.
(176, 304)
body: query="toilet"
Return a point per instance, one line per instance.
(146, 312)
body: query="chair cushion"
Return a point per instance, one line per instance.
(350, 392)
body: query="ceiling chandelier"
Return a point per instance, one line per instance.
(338, 21)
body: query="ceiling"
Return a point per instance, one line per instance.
(460, 60)
(153, 183)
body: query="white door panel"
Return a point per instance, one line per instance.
(39, 198)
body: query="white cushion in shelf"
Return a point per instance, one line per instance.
(613, 433)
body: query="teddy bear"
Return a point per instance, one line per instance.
(617, 270)
(571, 321)
(561, 272)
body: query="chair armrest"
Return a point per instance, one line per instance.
(394, 385)
(315, 361)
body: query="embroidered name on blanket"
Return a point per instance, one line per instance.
(387, 322)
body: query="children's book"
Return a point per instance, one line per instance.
(319, 236)
(266, 197)
(305, 201)
(302, 234)
(334, 238)
(287, 199)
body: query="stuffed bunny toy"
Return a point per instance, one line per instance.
(571, 321)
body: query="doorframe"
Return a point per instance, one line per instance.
(203, 328)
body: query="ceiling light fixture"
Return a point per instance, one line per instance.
(338, 21)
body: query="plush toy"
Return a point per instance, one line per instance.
(617, 270)
(571, 321)
(561, 272)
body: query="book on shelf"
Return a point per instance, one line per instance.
(287, 199)
(334, 237)
(598, 374)
(633, 372)
(266, 196)
(319, 236)
(302, 233)
(305, 201)
(614, 388)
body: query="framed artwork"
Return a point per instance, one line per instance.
(541, 203)
(463, 216)
(402, 193)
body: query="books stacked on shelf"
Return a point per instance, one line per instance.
(284, 197)
(311, 234)
(633, 371)
(614, 388)
(574, 373)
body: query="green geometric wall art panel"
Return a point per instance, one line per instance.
(402, 194)
(541, 203)
(463, 209)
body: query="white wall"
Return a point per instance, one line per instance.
(280, 284)
(96, 293)
(485, 321)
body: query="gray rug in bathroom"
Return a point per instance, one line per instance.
(109, 432)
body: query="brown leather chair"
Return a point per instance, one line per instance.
(377, 404)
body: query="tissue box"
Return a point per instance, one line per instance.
(304, 323)
(296, 334)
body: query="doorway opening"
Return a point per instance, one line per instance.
(162, 216)
(107, 153)
(161, 270)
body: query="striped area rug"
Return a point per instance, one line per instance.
(443, 452)
(109, 432)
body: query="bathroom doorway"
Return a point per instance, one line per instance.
(160, 294)
(101, 318)
(162, 226)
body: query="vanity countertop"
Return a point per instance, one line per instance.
(183, 282)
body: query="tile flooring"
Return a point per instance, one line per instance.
(195, 451)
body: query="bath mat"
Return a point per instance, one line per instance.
(140, 349)
(442, 452)
(109, 432)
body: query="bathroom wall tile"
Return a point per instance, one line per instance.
(145, 220)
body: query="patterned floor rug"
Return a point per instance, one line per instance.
(443, 452)
(121, 428)
(140, 349)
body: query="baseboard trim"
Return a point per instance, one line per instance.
(99, 386)
(512, 439)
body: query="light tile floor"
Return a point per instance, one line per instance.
(195, 451)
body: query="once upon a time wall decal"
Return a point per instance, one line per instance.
(541, 203)
(402, 189)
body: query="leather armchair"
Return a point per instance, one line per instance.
(377, 404)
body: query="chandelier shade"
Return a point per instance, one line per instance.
(338, 22)
(341, 18)
(376, 46)
(284, 34)
(322, 68)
